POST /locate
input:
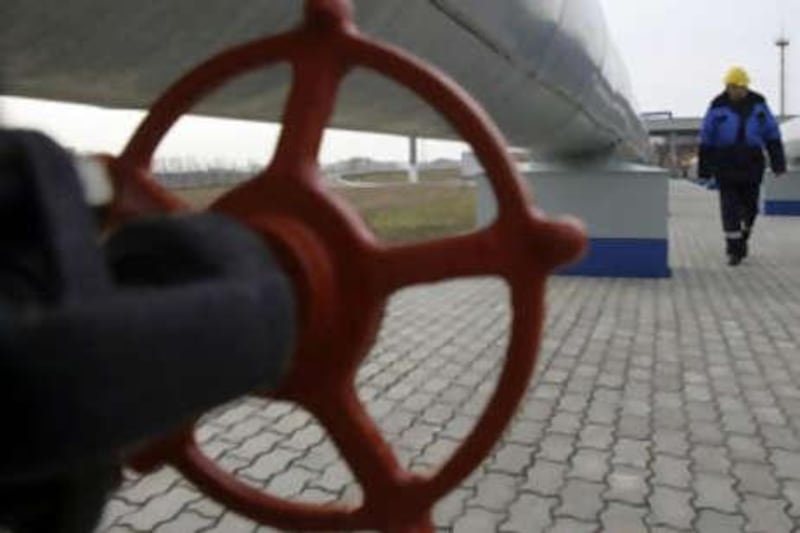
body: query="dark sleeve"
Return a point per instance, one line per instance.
(102, 349)
(706, 152)
(777, 158)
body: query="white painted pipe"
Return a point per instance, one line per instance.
(545, 70)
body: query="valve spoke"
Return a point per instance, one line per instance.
(311, 103)
(476, 254)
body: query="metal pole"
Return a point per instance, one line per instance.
(413, 162)
(782, 43)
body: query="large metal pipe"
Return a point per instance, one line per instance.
(545, 70)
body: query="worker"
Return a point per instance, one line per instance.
(737, 128)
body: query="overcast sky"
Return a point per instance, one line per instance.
(678, 50)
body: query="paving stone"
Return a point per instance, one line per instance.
(150, 486)
(320, 456)
(669, 418)
(671, 471)
(451, 507)
(420, 435)
(396, 422)
(244, 429)
(628, 485)
(766, 515)
(556, 447)
(570, 525)
(474, 520)
(671, 508)
(620, 518)
(567, 423)
(270, 463)
(791, 490)
(512, 459)
(780, 437)
(316, 495)
(458, 428)
(525, 432)
(715, 522)
(273, 410)
(636, 409)
(743, 424)
(602, 413)
(632, 453)
(207, 432)
(671, 442)
(459, 396)
(335, 477)
(770, 415)
(438, 414)
(158, 510)
(438, 452)
(596, 436)
(113, 511)
(529, 514)
(186, 521)
(351, 495)
(756, 479)
(207, 508)
(707, 433)
(291, 422)
(716, 492)
(234, 414)
(581, 500)
(290, 483)
(546, 478)
(495, 492)
(787, 464)
(305, 438)
(744, 448)
(256, 445)
(633, 427)
(537, 410)
(546, 391)
(590, 465)
(710, 459)
(233, 523)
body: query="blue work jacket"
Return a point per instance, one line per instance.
(734, 137)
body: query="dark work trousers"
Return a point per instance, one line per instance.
(739, 206)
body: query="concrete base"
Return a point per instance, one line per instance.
(782, 195)
(624, 206)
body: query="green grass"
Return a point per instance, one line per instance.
(398, 177)
(395, 213)
(415, 212)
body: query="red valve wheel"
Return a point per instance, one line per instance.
(344, 276)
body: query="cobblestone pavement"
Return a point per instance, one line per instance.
(659, 405)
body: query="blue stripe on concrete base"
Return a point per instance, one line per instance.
(624, 258)
(787, 208)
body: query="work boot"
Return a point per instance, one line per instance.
(736, 249)
(745, 238)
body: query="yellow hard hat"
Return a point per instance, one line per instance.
(737, 76)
